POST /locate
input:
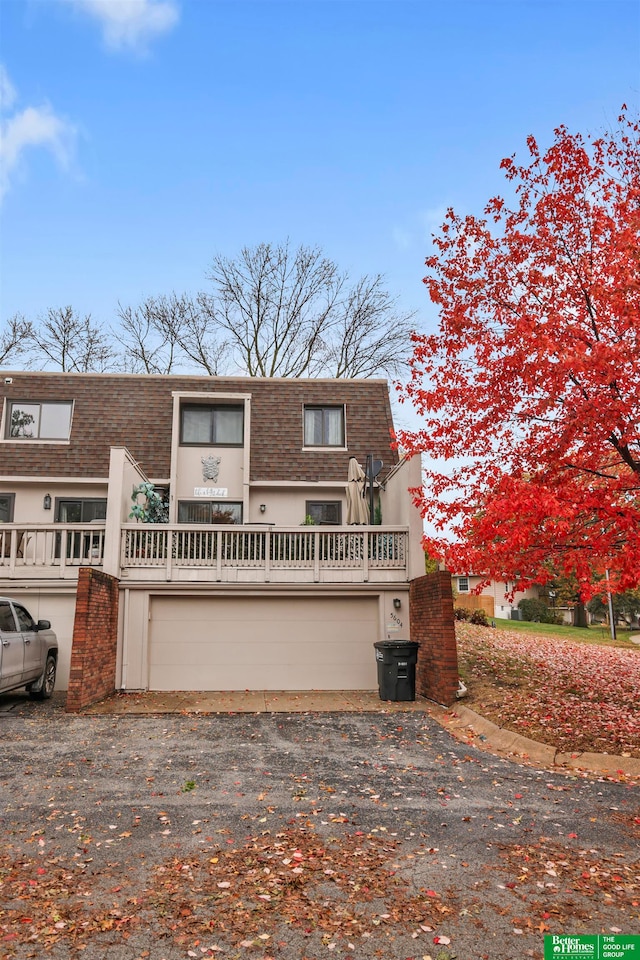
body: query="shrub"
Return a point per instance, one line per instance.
(461, 613)
(536, 611)
(480, 617)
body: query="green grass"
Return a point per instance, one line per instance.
(594, 634)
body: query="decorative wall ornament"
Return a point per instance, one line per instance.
(210, 468)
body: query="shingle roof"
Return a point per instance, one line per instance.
(135, 411)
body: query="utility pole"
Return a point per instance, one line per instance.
(611, 617)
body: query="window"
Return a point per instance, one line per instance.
(7, 501)
(209, 511)
(324, 511)
(39, 421)
(324, 426)
(80, 511)
(463, 584)
(25, 620)
(7, 622)
(205, 426)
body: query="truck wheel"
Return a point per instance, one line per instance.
(47, 682)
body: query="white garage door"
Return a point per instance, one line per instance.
(255, 643)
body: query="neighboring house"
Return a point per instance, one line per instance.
(492, 598)
(239, 590)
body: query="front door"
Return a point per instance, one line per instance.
(11, 648)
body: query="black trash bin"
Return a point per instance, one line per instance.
(396, 661)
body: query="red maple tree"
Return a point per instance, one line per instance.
(529, 392)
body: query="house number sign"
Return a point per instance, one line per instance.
(210, 492)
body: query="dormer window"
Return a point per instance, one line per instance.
(324, 426)
(38, 421)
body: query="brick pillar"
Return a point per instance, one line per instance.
(95, 639)
(433, 627)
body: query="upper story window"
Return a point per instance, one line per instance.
(463, 584)
(204, 425)
(39, 421)
(324, 426)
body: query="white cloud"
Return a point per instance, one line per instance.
(31, 127)
(7, 91)
(131, 23)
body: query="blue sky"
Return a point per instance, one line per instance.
(141, 137)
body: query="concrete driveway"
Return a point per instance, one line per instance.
(298, 836)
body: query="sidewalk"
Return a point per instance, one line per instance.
(459, 720)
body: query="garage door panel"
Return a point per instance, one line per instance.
(257, 654)
(230, 635)
(263, 643)
(256, 609)
(270, 677)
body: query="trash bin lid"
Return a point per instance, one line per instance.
(394, 644)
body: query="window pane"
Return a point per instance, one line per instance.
(223, 512)
(324, 426)
(94, 510)
(206, 425)
(313, 427)
(25, 621)
(194, 512)
(228, 425)
(196, 425)
(70, 511)
(333, 427)
(325, 511)
(55, 421)
(25, 420)
(7, 623)
(6, 508)
(45, 421)
(209, 511)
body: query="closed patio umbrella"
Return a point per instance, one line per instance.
(357, 507)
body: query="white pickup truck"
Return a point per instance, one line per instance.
(28, 651)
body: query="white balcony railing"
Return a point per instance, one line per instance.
(49, 550)
(263, 554)
(181, 552)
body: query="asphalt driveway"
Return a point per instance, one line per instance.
(298, 836)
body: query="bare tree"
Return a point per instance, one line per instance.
(71, 343)
(165, 334)
(277, 308)
(15, 339)
(150, 336)
(272, 312)
(372, 334)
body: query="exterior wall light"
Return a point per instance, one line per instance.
(397, 603)
(46, 503)
(263, 507)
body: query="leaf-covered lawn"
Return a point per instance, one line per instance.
(577, 697)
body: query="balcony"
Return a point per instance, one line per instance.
(209, 554)
(259, 554)
(49, 551)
